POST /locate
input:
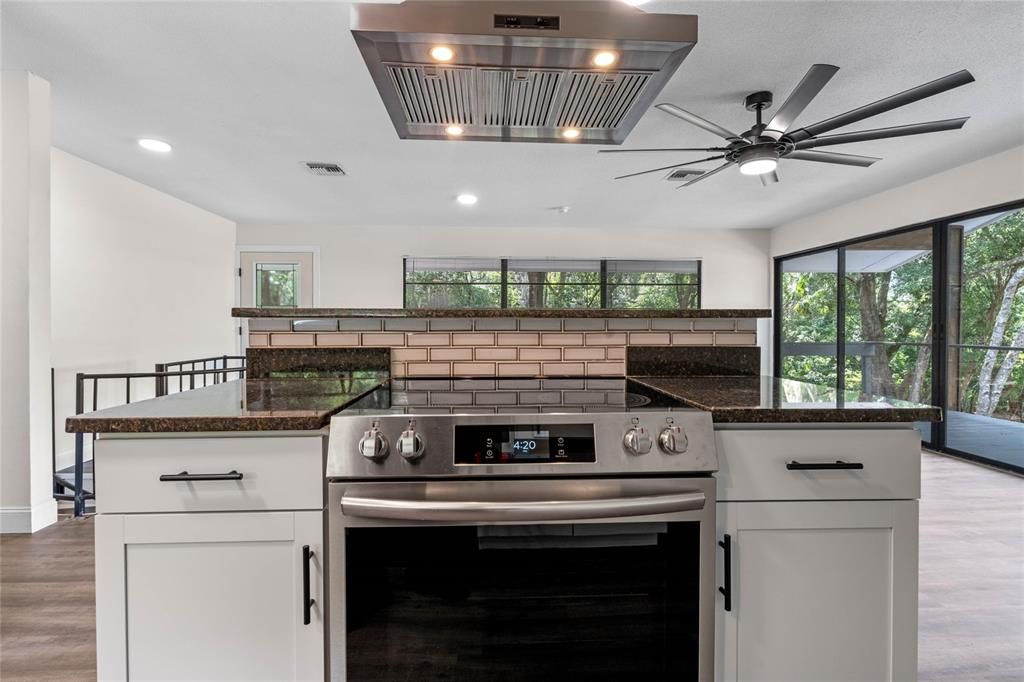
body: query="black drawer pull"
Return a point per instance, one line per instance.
(726, 544)
(811, 466)
(307, 603)
(186, 476)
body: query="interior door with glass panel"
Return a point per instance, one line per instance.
(276, 280)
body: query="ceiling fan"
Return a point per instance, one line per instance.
(758, 150)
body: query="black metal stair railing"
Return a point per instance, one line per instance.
(212, 370)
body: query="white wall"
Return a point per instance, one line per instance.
(987, 182)
(139, 277)
(26, 503)
(362, 268)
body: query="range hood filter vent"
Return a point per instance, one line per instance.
(512, 79)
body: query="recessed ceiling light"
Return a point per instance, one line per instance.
(635, 3)
(571, 133)
(154, 145)
(454, 131)
(442, 53)
(605, 58)
(466, 199)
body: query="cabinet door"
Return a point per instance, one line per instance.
(208, 596)
(821, 592)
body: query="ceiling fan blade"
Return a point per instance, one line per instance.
(806, 90)
(833, 157)
(769, 178)
(696, 120)
(655, 170)
(706, 175)
(668, 149)
(953, 80)
(882, 133)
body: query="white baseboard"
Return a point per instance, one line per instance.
(28, 519)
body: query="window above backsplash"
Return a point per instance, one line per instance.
(538, 283)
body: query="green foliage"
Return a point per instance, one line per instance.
(888, 318)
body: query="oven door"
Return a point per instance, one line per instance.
(519, 580)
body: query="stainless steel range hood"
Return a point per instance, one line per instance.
(519, 71)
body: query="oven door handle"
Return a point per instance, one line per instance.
(472, 511)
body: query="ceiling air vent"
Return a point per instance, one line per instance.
(684, 173)
(317, 168)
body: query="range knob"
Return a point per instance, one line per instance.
(373, 445)
(672, 440)
(637, 441)
(410, 444)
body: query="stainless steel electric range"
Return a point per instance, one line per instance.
(529, 529)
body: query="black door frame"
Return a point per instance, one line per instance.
(940, 311)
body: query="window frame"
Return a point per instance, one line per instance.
(602, 281)
(940, 228)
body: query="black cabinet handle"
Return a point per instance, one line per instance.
(186, 476)
(822, 466)
(726, 544)
(307, 603)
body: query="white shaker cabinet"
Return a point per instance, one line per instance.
(819, 591)
(210, 596)
(818, 533)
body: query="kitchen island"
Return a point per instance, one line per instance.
(210, 496)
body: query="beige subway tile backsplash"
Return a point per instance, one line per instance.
(446, 353)
(474, 339)
(409, 354)
(591, 353)
(735, 339)
(603, 339)
(259, 340)
(540, 354)
(473, 369)
(521, 339)
(429, 339)
(518, 369)
(337, 339)
(561, 339)
(649, 339)
(600, 369)
(486, 353)
(292, 340)
(384, 339)
(564, 369)
(693, 339)
(428, 369)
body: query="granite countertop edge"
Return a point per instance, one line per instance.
(311, 313)
(802, 415)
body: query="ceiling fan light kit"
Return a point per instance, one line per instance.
(758, 150)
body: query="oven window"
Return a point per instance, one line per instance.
(533, 602)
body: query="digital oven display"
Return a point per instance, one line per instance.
(523, 443)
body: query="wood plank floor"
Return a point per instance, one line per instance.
(972, 586)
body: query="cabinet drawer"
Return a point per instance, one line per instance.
(769, 464)
(266, 473)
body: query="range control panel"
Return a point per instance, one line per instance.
(410, 445)
(524, 443)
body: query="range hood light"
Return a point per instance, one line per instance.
(442, 53)
(605, 58)
(454, 131)
(571, 133)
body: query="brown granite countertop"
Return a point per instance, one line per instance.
(765, 399)
(297, 404)
(306, 313)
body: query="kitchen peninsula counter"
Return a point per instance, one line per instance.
(772, 400)
(294, 404)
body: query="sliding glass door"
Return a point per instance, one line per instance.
(930, 314)
(888, 288)
(985, 337)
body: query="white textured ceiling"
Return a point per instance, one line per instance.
(247, 92)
